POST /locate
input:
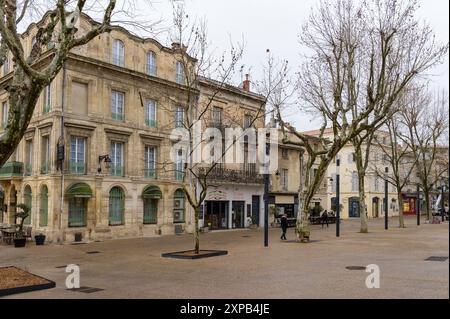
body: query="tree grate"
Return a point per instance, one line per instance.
(93, 252)
(436, 258)
(355, 268)
(64, 266)
(86, 290)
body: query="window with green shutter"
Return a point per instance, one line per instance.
(77, 212)
(116, 206)
(27, 199)
(178, 206)
(43, 211)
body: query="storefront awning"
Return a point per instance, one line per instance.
(79, 190)
(284, 199)
(152, 192)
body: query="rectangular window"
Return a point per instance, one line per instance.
(47, 99)
(248, 119)
(79, 98)
(376, 182)
(216, 115)
(151, 63)
(6, 65)
(284, 179)
(116, 159)
(5, 111)
(180, 78)
(28, 157)
(179, 166)
(333, 183)
(150, 162)
(355, 182)
(150, 113)
(179, 116)
(118, 53)
(45, 155)
(77, 163)
(117, 105)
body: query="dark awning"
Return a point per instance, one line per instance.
(152, 192)
(79, 190)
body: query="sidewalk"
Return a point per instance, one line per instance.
(133, 268)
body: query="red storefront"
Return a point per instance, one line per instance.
(409, 204)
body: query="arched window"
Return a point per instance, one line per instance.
(116, 206)
(151, 63)
(43, 211)
(151, 196)
(78, 195)
(118, 53)
(27, 199)
(178, 206)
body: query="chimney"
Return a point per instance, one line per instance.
(246, 84)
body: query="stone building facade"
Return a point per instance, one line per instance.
(109, 113)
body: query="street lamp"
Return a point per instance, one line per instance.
(266, 193)
(418, 204)
(103, 158)
(338, 210)
(386, 197)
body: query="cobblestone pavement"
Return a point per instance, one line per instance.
(133, 268)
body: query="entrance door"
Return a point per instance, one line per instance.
(238, 214)
(216, 215)
(375, 207)
(255, 209)
(353, 207)
(150, 211)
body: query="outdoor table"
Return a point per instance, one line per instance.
(8, 235)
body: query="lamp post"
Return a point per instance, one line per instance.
(103, 158)
(266, 193)
(418, 205)
(338, 205)
(386, 198)
(442, 202)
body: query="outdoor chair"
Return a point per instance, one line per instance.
(27, 232)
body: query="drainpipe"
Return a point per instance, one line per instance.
(63, 91)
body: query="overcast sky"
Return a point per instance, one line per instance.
(275, 25)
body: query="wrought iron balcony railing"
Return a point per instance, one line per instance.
(247, 174)
(11, 169)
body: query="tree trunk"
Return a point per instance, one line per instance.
(196, 232)
(364, 228)
(401, 220)
(302, 231)
(426, 194)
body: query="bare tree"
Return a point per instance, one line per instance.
(426, 122)
(34, 70)
(362, 56)
(395, 153)
(201, 67)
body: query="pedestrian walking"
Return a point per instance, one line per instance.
(325, 218)
(284, 226)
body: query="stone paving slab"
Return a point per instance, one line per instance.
(133, 268)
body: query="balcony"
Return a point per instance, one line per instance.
(150, 173)
(246, 175)
(12, 169)
(151, 123)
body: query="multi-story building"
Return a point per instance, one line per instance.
(349, 183)
(95, 159)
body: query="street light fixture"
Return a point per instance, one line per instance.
(106, 159)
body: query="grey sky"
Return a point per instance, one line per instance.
(275, 25)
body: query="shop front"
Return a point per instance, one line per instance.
(232, 207)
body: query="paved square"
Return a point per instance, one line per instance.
(133, 268)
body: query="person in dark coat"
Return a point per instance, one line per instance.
(325, 218)
(284, 226)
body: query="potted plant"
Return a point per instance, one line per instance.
(20, 240)
(39, 239)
